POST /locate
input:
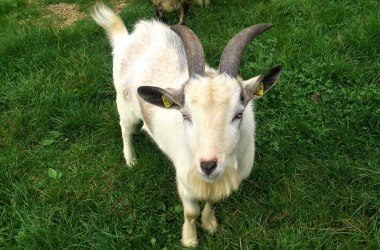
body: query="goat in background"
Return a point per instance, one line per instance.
(172, 5)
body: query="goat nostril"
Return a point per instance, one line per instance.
(208, 166)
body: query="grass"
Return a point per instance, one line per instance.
(316, 181)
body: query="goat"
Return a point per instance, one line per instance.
(201, 118)
(171, 5)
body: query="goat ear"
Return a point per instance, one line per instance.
(163, 98)
(258, 86)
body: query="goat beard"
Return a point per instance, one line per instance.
(218, 188)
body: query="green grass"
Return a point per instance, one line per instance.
(316, 181)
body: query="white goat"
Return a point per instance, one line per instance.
(201, 118)
(171, 5)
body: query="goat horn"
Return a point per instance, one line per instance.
(233, 52)
(193, 49)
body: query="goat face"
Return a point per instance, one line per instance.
(213, 109)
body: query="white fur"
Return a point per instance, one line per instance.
(153, 55)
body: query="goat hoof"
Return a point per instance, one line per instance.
(210, 226)
(189, 242)
(130, 162)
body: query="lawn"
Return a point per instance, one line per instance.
(316, 181)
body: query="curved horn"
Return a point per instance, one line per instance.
(193, 49)
(233, 52)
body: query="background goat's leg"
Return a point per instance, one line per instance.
(159, 14)
(183, 11)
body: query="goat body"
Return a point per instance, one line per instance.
(201, 118)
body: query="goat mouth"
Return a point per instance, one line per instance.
(211, 177)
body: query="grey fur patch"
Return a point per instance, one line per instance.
(147, 113)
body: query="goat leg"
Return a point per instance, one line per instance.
(183, 11)
(159, 13)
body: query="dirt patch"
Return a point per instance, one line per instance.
(316, 97)
(64, 14)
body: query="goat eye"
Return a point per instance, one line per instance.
(238, 116)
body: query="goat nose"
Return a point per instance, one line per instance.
(208, 166)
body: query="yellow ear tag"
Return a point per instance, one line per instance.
(167, 102)
(260, 89)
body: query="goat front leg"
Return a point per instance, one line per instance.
(209, 222)
(189, 232)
